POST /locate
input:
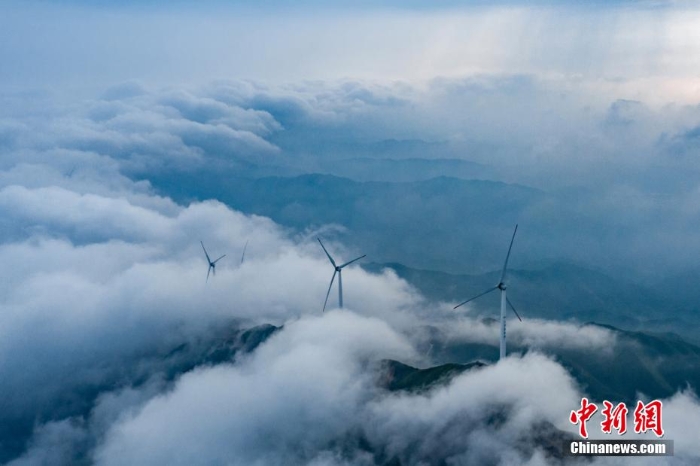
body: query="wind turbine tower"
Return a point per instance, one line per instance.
(338, 269)
(504, 299)
(243, 255)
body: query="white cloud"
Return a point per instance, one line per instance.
(480, 417)
(531, 333)
(292, 399)
(632, 50)
(100, 276)
(103, 279)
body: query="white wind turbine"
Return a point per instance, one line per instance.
(504, 299)
(338, 270)
(212, 264)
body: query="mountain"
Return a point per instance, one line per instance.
(403, 170)
(396, 376)
(437, 223)
(221, 345)
(682, 287)
(559, 291)
(656, 365)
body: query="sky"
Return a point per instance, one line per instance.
(636, 50)
(581, 118)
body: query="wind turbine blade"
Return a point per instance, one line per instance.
(217, 260)
(205, 252)
(244, 248)
(348, 263)
(324, 250)
(505, 264)
(208, 272)
(513, 307)
(329, 291)
(477, 296)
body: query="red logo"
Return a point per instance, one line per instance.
(582, 416)
(614, 418)
(647, 417)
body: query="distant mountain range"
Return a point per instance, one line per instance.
(434, 223)
(561, 291)
(404, 170)
(443, 226)
(445, 223)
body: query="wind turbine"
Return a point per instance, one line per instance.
(212, 265)
(243, 255)
(504, 299)
(338, 270)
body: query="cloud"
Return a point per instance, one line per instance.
(626, 47)
(307, 396)
(103, 279)
(633, 217)
(58, 209)
(682, 412)
(309, 385)
(59, 443)
(480, 417)
(124, 90)
(98, 287)
(532, 333)
(103, 276)
(102, 312)
(142, 130)
(293, 398)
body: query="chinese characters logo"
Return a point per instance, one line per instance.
(647, 417)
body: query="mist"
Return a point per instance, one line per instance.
(416, 134)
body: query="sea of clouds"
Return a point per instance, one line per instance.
(102, 276)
